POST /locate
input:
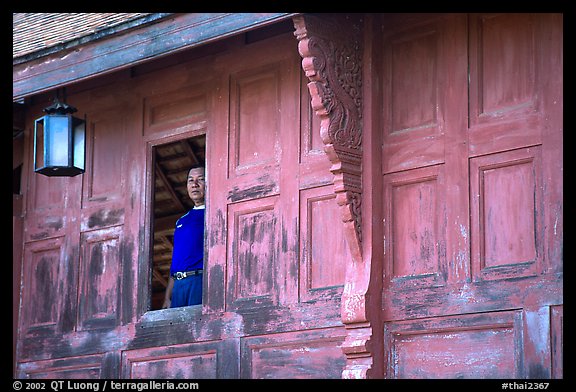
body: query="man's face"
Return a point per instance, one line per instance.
(196, 185)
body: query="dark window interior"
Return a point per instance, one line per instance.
(172, 161)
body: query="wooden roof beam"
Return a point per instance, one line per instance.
(166, 223)
(169, 187)
(189, 152)
(158, 276)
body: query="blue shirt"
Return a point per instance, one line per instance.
(188, 251)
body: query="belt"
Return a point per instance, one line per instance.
(185, 274)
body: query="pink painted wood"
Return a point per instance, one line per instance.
(465, 205)
(384, 200)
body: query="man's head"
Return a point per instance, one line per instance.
(196, 185)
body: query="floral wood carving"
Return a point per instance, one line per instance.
(331, 58)
(332, 62)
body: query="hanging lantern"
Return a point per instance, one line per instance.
(59, 142)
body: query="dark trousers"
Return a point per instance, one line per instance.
(187, 291)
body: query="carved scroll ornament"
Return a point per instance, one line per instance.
(331, 58)
(332, 63)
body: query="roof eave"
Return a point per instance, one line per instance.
(83, 40)
(118, 51)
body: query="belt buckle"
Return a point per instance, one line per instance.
(180, 275)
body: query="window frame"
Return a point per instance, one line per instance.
(194, 130)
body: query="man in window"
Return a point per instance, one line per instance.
(185, 283)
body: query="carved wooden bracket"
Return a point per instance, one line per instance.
(332, 62)
(330, 46)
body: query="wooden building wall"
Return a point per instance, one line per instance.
(428, 244)
(275, 249)
(468, 185)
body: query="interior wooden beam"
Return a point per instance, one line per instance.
(158, 276)
(189, 152)
(169, 188)
(166, 223)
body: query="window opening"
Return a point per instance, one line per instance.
(171, 201)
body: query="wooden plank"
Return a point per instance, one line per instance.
(168, 36)
(293, 355)
(189, 152)
(169, 188)
(160, 278)
(166, 223)
(486, 345)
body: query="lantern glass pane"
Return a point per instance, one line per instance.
(39, 144)
(79, 143)
(57, 149)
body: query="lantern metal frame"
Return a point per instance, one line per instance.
(59, 142)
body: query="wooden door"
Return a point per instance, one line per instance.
(472, 167)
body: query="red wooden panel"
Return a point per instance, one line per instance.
(17, 241)
(174, 366)
(105, 157)
(87, 372)
(100, 276)
(314, 164)
(463, 346)
(84, 367)
(254, 113)
(253, 252)
(414, 207)
(183, 361)
(258, 97)
(41, 303)
(106, 181)
(46, 192)
(414, 83)
(413, 75)
(505, 62)
(553, 151)
(324, 250)
(311, 144)
(101, 217)
(46, 204)
(504, 77)
(415, 232)
(173, 110)
(557, 331)
(537, 341)
(254, 222)
(46, 225)
(506, 213)
(195, 366)
(294, 355)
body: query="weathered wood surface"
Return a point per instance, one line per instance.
(276, 252)
(469, 195)
(461, 229)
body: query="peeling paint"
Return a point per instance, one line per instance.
(105, 218)
(86, 299)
